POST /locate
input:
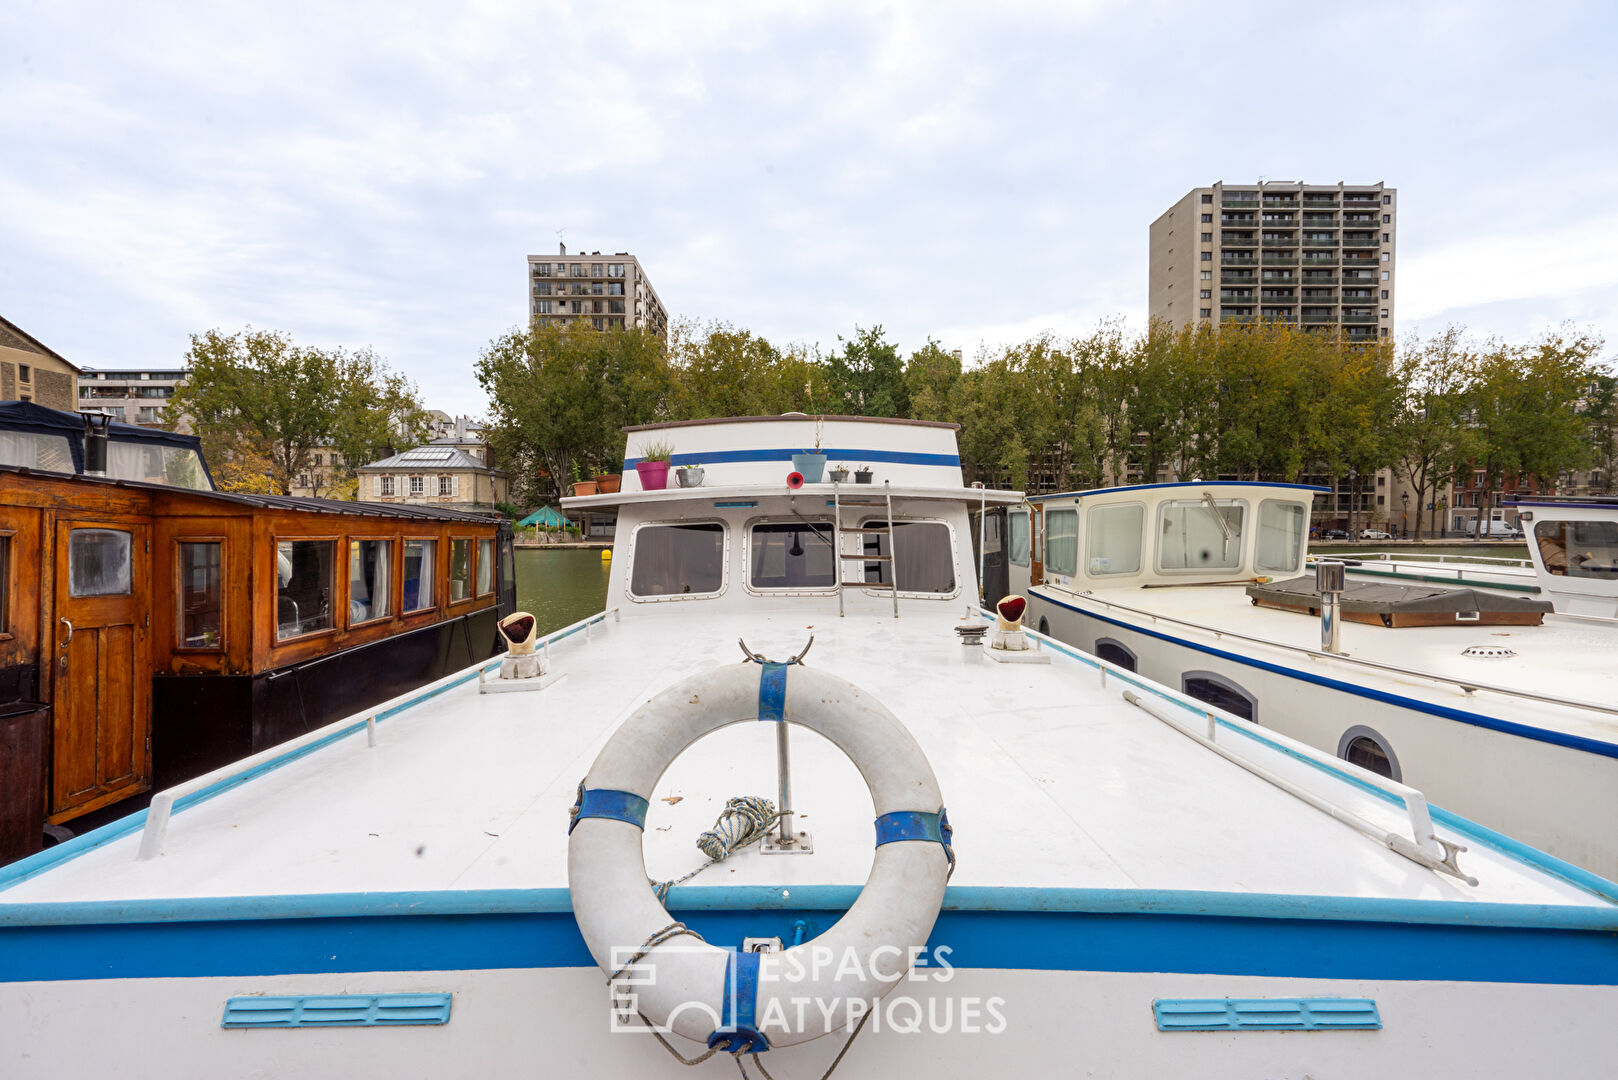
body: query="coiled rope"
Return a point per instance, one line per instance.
(745, 820)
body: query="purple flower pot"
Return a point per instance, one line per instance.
(654, 475)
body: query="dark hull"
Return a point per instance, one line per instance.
(201, 722)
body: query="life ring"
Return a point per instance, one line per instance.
(716, 995)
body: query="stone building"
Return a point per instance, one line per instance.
(32, 371)
(434, 475)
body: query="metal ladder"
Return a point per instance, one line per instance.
(842, 557)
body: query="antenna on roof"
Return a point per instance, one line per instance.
(561, 247)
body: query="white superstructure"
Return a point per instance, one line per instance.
(1138, 885)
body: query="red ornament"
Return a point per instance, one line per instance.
(794, 481)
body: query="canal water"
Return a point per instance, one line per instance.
(560, 587)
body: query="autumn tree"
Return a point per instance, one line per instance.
(258, 397)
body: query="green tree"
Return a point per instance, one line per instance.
(258, 396)
(561, 396)
(867, 377)
(1434, 445)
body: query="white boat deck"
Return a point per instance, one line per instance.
(1051, 779)
(1566, 657)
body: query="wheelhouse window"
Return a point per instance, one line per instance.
(1017, 537)
(152, 463)
(201, 582)
(485, 566)
(50, 453)
(460, 570)
(303, 598)
(922, 550)
(792, 555)
(678, 560)
(1583, 549)
(1062, 542)
(1281, 527)
(1114, 543)
(370, 580)
(1200, 534)
(98, 562)
(418, 574)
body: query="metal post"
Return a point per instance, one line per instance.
(983, 525)
(893, 544)
(837, 539)
(783, 767)
(1329, 579)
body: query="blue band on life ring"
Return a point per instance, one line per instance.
(607, 803)
(914, 825)
(772, 691)
(738, 1032)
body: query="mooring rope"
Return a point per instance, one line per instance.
(745, 820)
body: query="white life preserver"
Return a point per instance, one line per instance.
(715, 995)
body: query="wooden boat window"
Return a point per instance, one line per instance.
(303, 598)
(670, 561)
(98, 562)
(792, 555)
(1281, 527)
(1190, 536)
(1062, 542)
(1114, 545)
(460, 570)
(418, 574)
(200, 594)
(1585, 549)
(485, 566)
(1017, 537)
(370, 580)
(926, 556)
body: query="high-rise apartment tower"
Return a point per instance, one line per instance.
(608, 290)
(1313, 255)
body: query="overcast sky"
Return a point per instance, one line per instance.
(376, 174)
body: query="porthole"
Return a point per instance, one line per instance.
(1116, 653)
(1220, 692)
(1367, 748)
(1044, 626)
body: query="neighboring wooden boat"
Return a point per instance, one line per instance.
(1127, 882)
(172, 629)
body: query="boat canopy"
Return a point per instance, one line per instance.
(1383, 604)
(34, 437)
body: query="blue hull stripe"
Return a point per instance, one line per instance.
(1544, 735)
(833, 453)
(1070, 938)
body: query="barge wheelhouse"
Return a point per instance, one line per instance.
(154, 628)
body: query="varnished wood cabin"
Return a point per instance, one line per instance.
(171, 629)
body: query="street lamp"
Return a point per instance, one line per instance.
(1404, 513)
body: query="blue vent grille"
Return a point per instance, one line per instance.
(336, 1010)
(1266, 1014)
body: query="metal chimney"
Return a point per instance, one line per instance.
(95, 443)
(1330, 580)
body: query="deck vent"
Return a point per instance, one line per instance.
(336, 1010)
(1266, 1014)
(1488, 652)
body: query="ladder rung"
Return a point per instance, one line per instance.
(869, 558)
(870, 532)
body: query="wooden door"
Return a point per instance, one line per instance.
(102, 672)
(1036, 543)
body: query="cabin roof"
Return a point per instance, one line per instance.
(275, 502)
(792, 416)
(432, 456)
(1180, 484)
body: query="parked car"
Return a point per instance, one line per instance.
(1500, 530)
(1375, 534)
(1334, 534)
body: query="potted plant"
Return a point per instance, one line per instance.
(863, 475)
(581, 486)
(812, 463)
(839, 475)
(691, 475)
(607, 483)
(653, 466)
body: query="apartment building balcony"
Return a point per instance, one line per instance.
(1237, 318)
(1354, 258)
(1320, 279)
(1359, 318)
(1232, 259)
(1237, 279)
(1360, 241)
(1238, 221)
(1320, 202)
(1283, 202)
(1277, 315)
(1318, 318)
(1279, 260)
(1359, 202)
(1226, 240)
(1358, 277)
(1320, 241)
(1227, 300)
(1364, 296)
(1239, 202)
(1279, 301)
(1280, 277)
(1279, 240)
(1360, 221)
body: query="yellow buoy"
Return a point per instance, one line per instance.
(606, 554)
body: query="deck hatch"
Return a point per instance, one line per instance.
(337, 1010)
(1266, 1014)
